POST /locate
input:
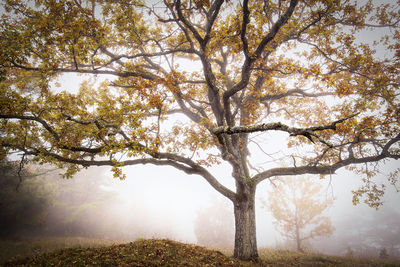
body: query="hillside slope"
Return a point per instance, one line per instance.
(140, 253)
(164, 252)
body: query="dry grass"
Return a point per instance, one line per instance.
(154, 252)
(33, 246)
(150, 252)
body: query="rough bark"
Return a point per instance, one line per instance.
(245, 225)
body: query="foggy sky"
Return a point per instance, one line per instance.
(162, 202)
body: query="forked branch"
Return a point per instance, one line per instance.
(330, 169)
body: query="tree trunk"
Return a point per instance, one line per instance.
(245, 226)
(298, 240)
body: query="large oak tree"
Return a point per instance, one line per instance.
(301, 68)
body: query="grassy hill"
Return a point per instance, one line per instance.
(156, 252)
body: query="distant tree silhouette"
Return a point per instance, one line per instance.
(383, 254)
(213, 225)
(22, 211)
(297, 206)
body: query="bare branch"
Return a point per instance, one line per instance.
(329, 169)
(160, 159)
(246, 69)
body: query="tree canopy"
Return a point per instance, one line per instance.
(306, 69)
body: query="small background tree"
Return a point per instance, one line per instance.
(297, 205)
(383, 253)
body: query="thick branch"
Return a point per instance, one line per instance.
(294, 92)
(276, 27)
(185, 110)
(144, 75)
(246, 69)
(99, 125)
(246, 20)
(33, 118)
(211, 17)
(116, 58)
(329, 169)
(186, 22)
(56, 136)
(213, 94)
(277, 126)
(160, 159)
